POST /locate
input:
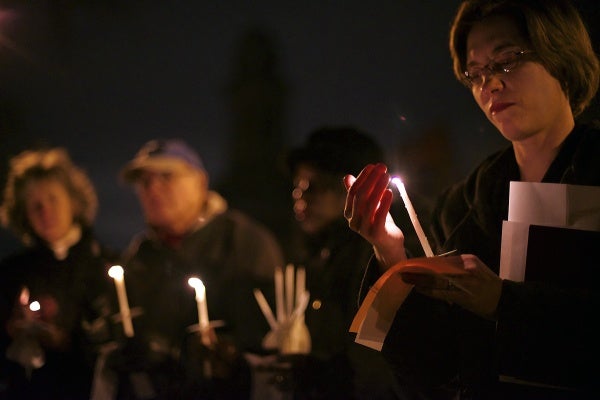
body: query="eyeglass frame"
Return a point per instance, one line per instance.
(496, 68)
(145, 178)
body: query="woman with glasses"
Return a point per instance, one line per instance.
(532, 71)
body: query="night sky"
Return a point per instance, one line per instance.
(102, 77)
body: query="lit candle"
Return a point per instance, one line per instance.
(116, 272)
(200, 301)
(413, 216)
(203, 321)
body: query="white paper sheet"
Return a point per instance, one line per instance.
(546, 204)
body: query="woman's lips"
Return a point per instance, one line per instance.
(498, 107)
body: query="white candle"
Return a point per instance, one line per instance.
(197, 284)
(116, 272)
(300, 283)
(413, 216)
(203, 321)
(279, 302)
(264, 307)
(289, 289)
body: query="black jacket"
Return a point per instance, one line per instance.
(545, 332)
(81, 288)
(440, 351)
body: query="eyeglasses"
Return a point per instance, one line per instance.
(505, 63)
(162, 178)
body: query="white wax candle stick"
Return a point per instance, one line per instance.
(300, 283)
(201, 299)
(201, 304)
(264, 307)
(279, 302)
(200, 291)
(413, 217)
(116, 272)
(289, 289)
(300, 307)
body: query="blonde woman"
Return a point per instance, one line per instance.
(50, 204)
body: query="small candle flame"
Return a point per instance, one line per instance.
(397, 181)
(35, 306)
(198, 285)
(116, 271)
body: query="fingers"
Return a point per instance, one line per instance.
(475, 266)
(353, 185)
(451, 288)
(382, 212)
(364, 196)
(429, 282)
(421, 280)
(442, 289)
(478, 291)
(348, 181)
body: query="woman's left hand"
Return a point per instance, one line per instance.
(477, 291)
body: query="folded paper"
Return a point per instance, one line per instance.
(376, 313)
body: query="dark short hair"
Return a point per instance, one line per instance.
(552, 28)
(337, 150)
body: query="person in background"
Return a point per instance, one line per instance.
(192, 232)
(334, 259)
(531, 69)
(49, 352)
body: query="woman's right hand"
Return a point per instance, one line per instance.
(367, 210)
(40, 323)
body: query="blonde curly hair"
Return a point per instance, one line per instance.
(36, 165)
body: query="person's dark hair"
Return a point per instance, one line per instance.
(553, 29)
(38, 165)
(338, 150)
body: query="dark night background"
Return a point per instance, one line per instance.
(240, 81)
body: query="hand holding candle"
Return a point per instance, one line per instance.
(288, 333)
(116, 272)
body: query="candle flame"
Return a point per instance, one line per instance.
(397, 181)
(116, 271)
(198, 285)
(195, 282)
(35, 306)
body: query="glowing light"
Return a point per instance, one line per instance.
(35, 306)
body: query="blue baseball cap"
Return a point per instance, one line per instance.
(162, 155)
